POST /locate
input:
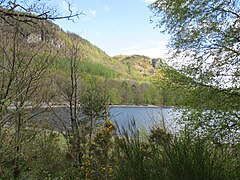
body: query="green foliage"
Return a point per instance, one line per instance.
(184, 91)
(44, 157)
(132, 160)
(94, 101)
(204, 34)
(129, 155)
(99, 162)
(217, 125)
(85, 66)
(187, 158)
(97, 69)
(40, 155)
(91, 149)
(209, 111)
(114, 96)
(164, 156)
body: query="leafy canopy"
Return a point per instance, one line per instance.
(206, 33)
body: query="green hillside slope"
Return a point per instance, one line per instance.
(127, 79)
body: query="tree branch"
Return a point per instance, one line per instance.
(43, 16)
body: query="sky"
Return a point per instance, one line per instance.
(116, 26)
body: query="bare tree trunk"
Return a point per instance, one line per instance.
(18, 129)
(71, 95)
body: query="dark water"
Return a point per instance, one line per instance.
(144, 117)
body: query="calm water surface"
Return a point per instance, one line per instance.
(144, 116)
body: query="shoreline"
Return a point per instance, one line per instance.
(137, 106)
(110, 106)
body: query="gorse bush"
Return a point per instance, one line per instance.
(98, 163)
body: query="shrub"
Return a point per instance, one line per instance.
(179, 157)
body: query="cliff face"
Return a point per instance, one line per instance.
(142, 64)
(39, 37)
(32, 30)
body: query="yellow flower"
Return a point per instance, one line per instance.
(110, 170)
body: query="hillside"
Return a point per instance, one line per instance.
(46, 31)
(126, 66)
(142, 65)
(127, 79)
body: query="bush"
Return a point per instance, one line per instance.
(188, 158)
(164, 156)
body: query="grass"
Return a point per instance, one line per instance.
(181, 157)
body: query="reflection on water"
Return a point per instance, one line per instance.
(143, 116)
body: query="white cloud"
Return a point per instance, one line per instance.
(151, 49)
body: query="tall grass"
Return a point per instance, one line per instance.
(132, 154)
(187, 158)
(164, 156)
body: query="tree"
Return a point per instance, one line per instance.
(205, 36)
(206, 33)
(95, 105)
(70, 92)
(34, 10)
(23, 66)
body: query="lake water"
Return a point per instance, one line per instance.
(144, 117)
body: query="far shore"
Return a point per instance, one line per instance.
(137, 106)
(111, 106)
